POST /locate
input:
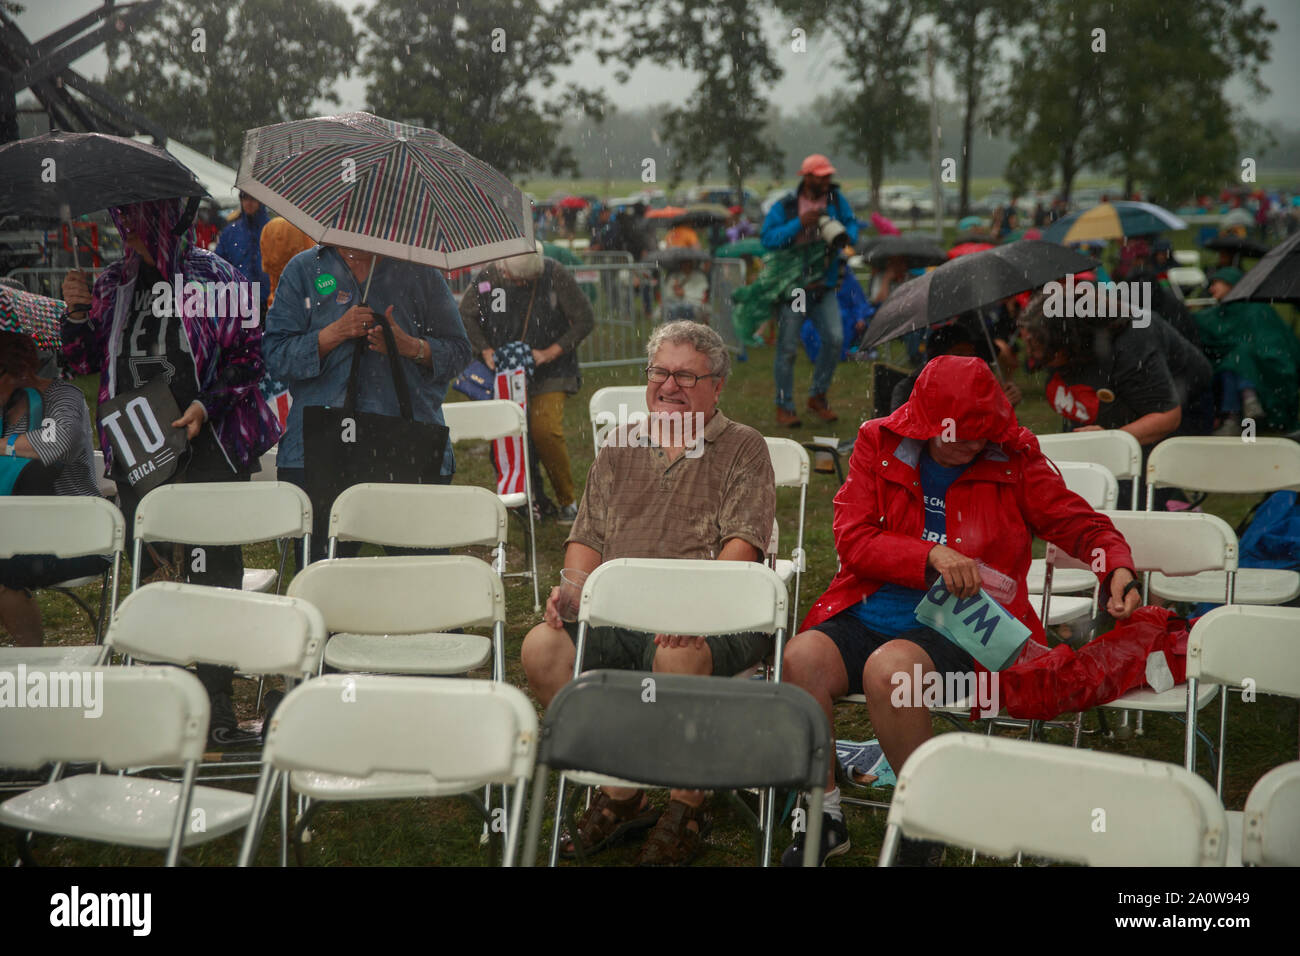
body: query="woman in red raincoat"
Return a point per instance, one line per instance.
(946, 482)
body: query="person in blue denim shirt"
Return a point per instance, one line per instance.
(793, 221)
(318, 313)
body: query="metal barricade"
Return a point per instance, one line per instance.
(46, 280)
(624, 308)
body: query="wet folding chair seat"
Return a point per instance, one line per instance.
(1066, 609)
(73, 657)
(1064, 580)
(388, 785)
(127, 810)
(260, 580)
(431, 653)
(1172, 701)
(1254, 586)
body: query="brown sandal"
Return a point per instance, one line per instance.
(607, 822)
(672, 842)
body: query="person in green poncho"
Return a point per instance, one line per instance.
(1256, 359)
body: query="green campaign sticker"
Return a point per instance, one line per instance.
(326, 283)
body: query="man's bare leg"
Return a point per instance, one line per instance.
(899, 729)
(813, 662)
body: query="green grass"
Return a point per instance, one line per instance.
(445, 832)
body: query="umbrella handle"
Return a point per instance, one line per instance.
(993, 350)
(72, 236)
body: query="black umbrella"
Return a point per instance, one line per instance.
(61, 175)
(971, 282)
(1276, 278)
(57, 174)
(917, 250)
(1239, 247)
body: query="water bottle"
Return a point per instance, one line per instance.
(997, 585)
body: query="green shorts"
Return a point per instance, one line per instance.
(617, 648)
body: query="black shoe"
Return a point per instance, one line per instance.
(835, 842)
(223, 728)
(918, 853)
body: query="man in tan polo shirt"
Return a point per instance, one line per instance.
(665, 492)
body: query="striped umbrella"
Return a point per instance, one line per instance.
(1113, 220)
(400, 191)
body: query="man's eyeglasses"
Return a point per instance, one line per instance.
(684, 379)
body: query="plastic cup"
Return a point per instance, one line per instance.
(571, 582)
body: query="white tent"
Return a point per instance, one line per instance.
(219, 180)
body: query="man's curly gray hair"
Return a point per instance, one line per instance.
(699, 337)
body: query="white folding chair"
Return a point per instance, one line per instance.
(1226, 466)
(66, 526)
(1271, 828)
(1117, 451)
(268, 463)
(1175, 543)
(422, 516)
(394, 615)
(343, 737)
(489, 420)
(223, 513)
(1096, 485)
(700, 598)
(611, 406)
(148, 715)
(1231, 646)
(791, 468)
(1006, 797)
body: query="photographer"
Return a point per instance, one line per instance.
(794, 222)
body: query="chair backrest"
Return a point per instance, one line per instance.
(684, 597)
(1238, 643)
(1004, 797)
(1092, 482)
(407, 595)
(268, 463)
(418, 516)
(1270, 832)
(1228, 465)
(487, 420)
(703, 733)
(608, 406)
(132, 716)
(1114, 449)
(184, 624)
(1189, 277)
(1173, 543)
(67, 526)
(223, 512)
(789, 462)
(471, 731)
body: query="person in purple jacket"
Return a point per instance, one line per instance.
(211, 358)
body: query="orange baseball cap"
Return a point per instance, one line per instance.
(816, 165)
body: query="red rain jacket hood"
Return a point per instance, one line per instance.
(1008, 495)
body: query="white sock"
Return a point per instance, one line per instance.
(831, 804)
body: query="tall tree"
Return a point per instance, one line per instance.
(209, 69)
(881, 119)
(969, 30)
(1140, 93)
(722, 122)
(465, 70)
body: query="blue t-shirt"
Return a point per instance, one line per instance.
(891, 609)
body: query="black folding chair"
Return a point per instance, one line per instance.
(696, 733)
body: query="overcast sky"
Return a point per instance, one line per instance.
(805, 74)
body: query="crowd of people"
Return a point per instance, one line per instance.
(948, 486)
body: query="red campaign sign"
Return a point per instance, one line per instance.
(1078, 403)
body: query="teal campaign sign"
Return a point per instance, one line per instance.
(978, 625)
